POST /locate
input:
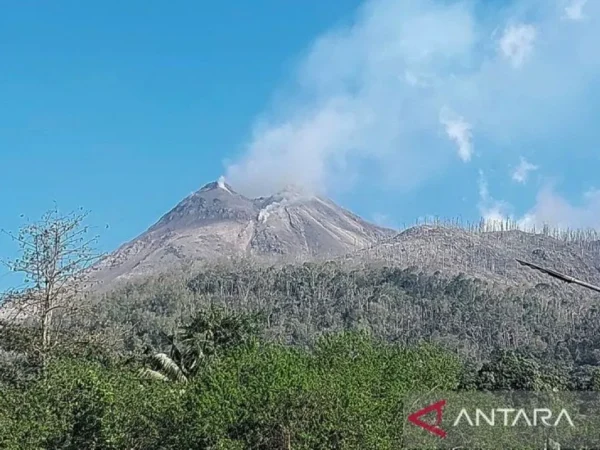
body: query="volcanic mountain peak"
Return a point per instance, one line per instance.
(290, 193)
(289, 196)
(294, 191)
(219, 184)
(216, 222)
(216, 201)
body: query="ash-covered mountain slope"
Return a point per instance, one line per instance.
(216, 222)
(489, 255)
(292, 223)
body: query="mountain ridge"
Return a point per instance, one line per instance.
(217, 222)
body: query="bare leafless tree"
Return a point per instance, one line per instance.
(56, 254)
(560, 276)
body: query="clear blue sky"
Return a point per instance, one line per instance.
(125, 107)
(411, 107)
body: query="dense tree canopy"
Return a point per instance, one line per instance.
(312, 356)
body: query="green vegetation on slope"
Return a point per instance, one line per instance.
(312, 356)
(298, 303)
(345, 393)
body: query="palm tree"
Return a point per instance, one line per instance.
(164, 369)
(209, 335)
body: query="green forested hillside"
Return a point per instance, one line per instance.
(346, 393)
(404, 306)
(241, 356)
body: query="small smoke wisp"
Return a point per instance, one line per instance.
(522, 171)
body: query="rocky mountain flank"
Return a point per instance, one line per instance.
(490, 255)
(216, 222)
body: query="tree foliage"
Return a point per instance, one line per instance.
(311, 356)
(404, 305)
(345, 393)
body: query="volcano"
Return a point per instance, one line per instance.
(216, 222)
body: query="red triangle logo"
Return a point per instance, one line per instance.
(438, 407)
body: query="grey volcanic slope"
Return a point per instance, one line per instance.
(488, 255)
(217, 222)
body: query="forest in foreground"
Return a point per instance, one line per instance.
(311, 356)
